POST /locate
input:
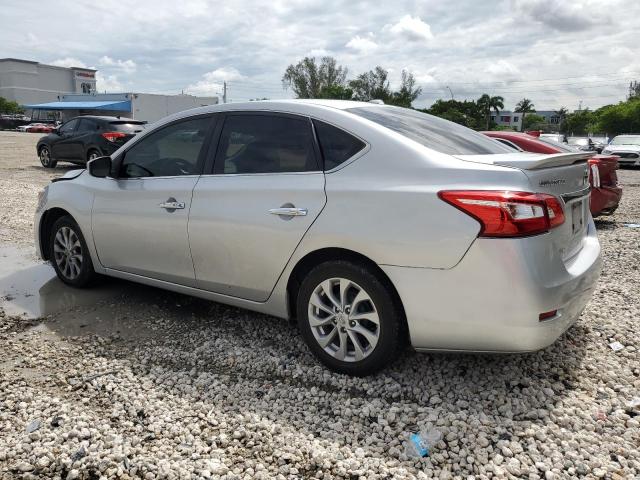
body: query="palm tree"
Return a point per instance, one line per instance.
(561, 113)
(524, 106)
(487, 103)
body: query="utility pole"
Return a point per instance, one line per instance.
(450, 92)
(224, 92)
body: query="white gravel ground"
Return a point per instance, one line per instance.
(155, 385)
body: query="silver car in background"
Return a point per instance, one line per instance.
(372, 225)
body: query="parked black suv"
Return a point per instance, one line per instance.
(84, 138)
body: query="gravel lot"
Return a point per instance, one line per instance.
(134, 382)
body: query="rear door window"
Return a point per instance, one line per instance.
(336, 145)
(265, 144)
(126, 126)
(86, 125)
(432, 132)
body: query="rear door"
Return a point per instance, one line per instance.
(62, 147)
(251, 211)
(81, 138)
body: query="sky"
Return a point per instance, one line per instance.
(572, 53)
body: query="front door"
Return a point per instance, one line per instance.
(61, 148)
(139, 220)
(248, 217)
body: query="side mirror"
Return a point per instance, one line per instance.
(99, 167)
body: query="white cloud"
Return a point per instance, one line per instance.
(108, 83)
(565, 15)
(412, 28)
(126, 66)
(212, 82)
(503, 70)
(69, 62)
(362, 44)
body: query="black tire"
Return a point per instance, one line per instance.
(92, 152)
(389, 330)
(79, 274)
(44, 153)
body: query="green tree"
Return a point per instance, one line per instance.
(486, 103)
(9, 107)
(466, 113)
(372, 85)
(562, 113)
(621, 118)
(525, 106)
(408, 91)
(534, 122)
(336, 92)
(581, 122)
(310, 78)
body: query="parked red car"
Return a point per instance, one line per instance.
(40, 128)
(605, 192)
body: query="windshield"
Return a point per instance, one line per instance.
(432, 132)
(560, 146)
(626, 140)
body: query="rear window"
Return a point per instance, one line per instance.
(432, 132)
(126, 126)
(337, 145)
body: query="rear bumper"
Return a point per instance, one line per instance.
(491, 301)
(604, 200)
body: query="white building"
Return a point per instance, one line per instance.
(507, 118)
(140, 106)
(28, 82)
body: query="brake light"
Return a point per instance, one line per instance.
(113, 136)
(595, 173)
(508, 214)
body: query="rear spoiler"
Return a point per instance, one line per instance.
(530, 161)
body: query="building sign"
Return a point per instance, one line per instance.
(85, 75)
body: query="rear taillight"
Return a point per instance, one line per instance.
(594, 173)
(113, 136)
(506, 213)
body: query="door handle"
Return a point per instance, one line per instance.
(289, 212)
(172, 204)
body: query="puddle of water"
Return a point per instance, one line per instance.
(30, 288)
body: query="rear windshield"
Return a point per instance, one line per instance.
(126, 126)
(432, 132)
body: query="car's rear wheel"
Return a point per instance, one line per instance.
(93, 154)
(349, 318)
(69, 254)
(45, 157)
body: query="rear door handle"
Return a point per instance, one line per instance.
(172, 204)
(289, 212)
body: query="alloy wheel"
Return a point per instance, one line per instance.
(45, 156)
(67, 252)
(344, 320)
(93, 155)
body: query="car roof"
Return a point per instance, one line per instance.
(106, 118)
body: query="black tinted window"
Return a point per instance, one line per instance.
(265, 144)
(171, 151)
(337, 145)
(432, 132)
(86, 125)
(69, 126)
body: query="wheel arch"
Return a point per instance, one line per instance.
(316, 257)
(49, 217)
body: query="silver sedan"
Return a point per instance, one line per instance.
(371, 225)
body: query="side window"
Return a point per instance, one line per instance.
(169, 152)
(265, 144)
(337, 145)
(69, 127)
(86, 125)
(509, 144)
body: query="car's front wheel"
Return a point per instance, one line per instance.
(69, 254)
(349, 318)
(45, 157)
(93, 154)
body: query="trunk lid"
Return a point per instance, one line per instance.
(564, 175)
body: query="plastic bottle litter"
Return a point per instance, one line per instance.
(418, 445)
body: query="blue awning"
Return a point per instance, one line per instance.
(104, 105)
